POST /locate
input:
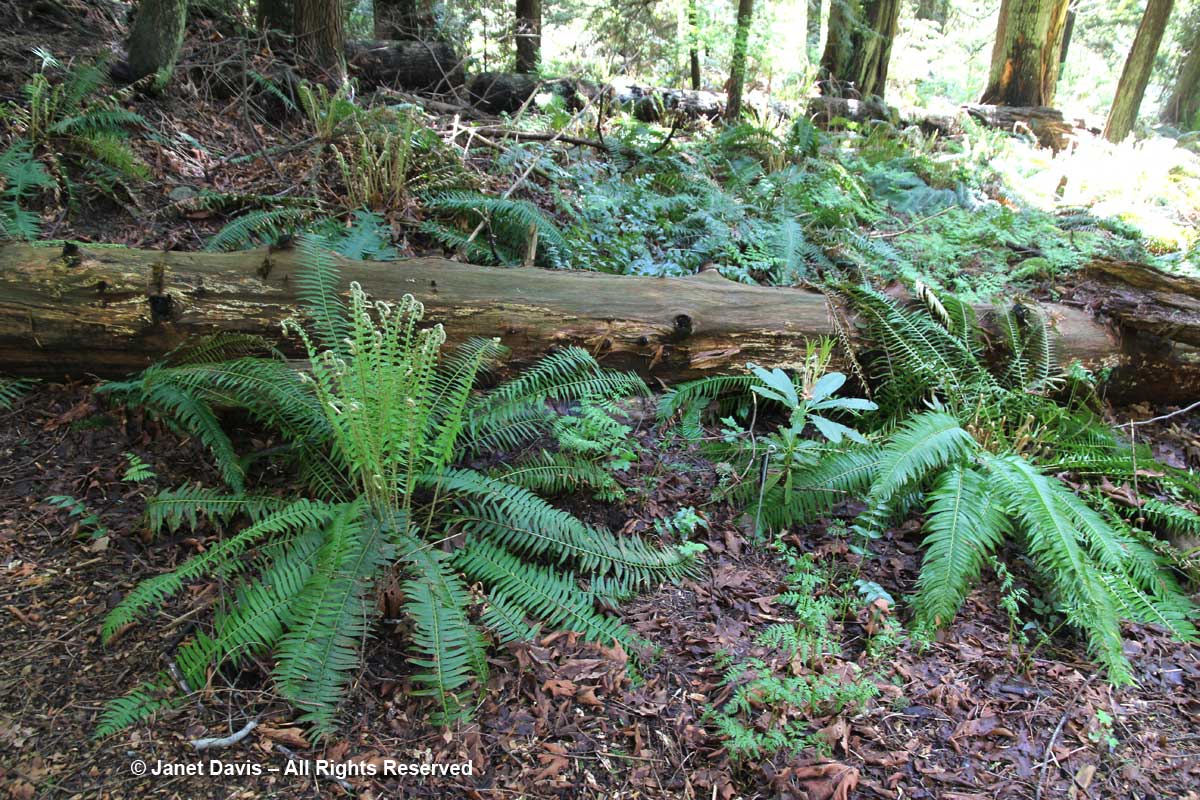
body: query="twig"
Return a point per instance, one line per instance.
(541, 136)
(225, 741)
(1160, 418)
(1054, 738)
(902, 231)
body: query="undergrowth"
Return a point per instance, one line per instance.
(381, 427)
(1004, 458)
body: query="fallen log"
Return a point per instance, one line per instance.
(109, 311)
(417, 65)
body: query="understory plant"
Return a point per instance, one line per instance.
(1004, 456)
(381, 424)
(77, 132)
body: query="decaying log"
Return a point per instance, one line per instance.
(1047, 125)
(506, 92)
(110, 311)
(417, 65)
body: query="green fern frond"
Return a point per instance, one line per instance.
(541, 592)
(152, 592)
(139, 704)
(964, 526)
(330, 617)
(449, 650)
(1046, 520)
(525, 523)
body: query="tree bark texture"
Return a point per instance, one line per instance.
(693, 30)
(319, 37)
(109, 311)
(156, 37)
(415, 65)
(858, 47)
(1183, 106)
(1025, 56)
(737, 69)
(528, 33)
(1136, 74)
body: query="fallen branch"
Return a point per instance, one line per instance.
(225, 741)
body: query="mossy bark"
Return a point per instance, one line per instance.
(1025, 56)
(156, 38)
(737, 69)
(858, 47)
(1136, 74)
(1183, 107)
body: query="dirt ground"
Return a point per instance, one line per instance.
(969, 716)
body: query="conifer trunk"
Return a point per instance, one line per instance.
(1183, 107)
(529, 35)
(858, 47)
(1025, 57)
(319, 37)
(156, 37)
(737, 70)
(1136, 73)
(693, 23)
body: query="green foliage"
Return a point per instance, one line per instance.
(768, 712)
(88, 521)
(12, 389)
(22, 177)
(512, 232)
(985, 465)
(138, 469)
(770, 471)
(379, 428)
(75, 133)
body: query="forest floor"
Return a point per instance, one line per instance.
(969, 716)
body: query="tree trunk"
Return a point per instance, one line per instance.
(1025, 57)
(405, 20)
(319, 37)
(1068, 30)
(737, 70)
(275, 15)
(858, 47)
(1136, 74)
(812, 30)
(528, 32)
(693, 23)
(155, 38)
(111, 311)
(1183, 107)
(934, 11)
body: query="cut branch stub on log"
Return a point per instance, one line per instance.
(111, 311)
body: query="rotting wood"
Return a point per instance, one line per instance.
(110, 311)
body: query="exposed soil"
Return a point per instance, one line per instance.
(969, 716)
